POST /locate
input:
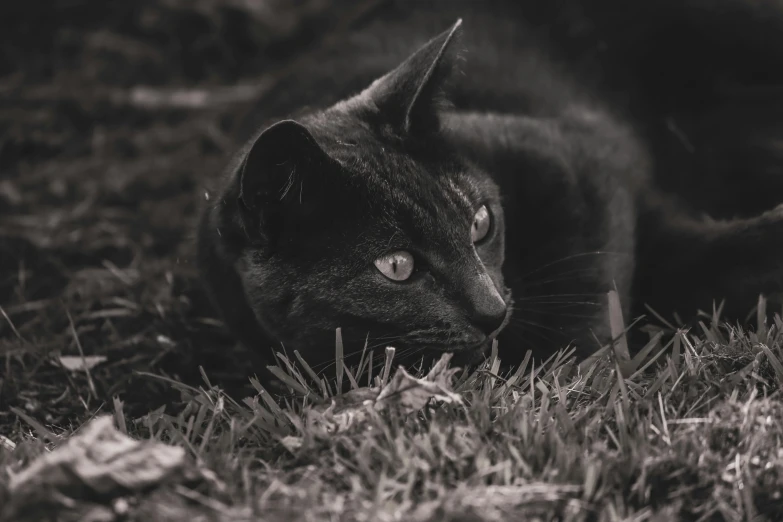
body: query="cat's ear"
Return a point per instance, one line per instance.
(408, 98)
(282, 176)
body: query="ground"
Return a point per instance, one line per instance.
(113, 119)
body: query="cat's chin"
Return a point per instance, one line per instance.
(470, 358)
(463, 356)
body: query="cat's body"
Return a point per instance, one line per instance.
(553, 137)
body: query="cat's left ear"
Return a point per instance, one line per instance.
(408, 98)
(283, 179)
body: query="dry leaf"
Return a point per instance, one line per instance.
(332, 420)
(412, 394)
(7, 443)
(291, 443)
(76, 362)
(404, 391)
(101, 459)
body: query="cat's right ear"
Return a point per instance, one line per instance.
(282, 179)
(409, 97)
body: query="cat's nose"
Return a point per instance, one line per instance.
(490, 319)
(486, 307)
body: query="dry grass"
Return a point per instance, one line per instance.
(112, 121)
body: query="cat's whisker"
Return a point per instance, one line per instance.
(569, 257)
(557, 313)
(524, 330)
(413, 352)
(386, 337)
(384, 343)
(326, 365)
(548, 296)
(582, 266)
(528, 322)
(555, 308)
(531, 326)
(560, 303)
(573, 275)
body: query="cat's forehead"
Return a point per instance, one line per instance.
(427, 195)
(431, 205)
(425, 186)
(362, 153)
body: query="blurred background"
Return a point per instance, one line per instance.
(114, 116)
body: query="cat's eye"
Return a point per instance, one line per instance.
(481, 224)
(397, 266)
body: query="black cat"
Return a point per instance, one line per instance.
(497, 183)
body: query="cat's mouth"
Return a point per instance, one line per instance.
(470, 355)
(464, 355)
(482, 347)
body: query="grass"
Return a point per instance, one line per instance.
(113, 120)
(690, 428)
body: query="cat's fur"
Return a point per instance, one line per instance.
(539, 111)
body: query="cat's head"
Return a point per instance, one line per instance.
(363, 217)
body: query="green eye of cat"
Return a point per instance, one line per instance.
(397, 266)
(481, 222)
